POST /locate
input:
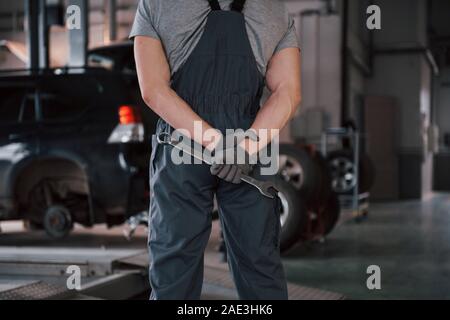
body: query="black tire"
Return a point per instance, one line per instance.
(324, 188)
(341, 164)
(328, 216)
(322, 219)
(297, 167)
(57, 221)
(293, 216)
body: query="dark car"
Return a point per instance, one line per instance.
(74, 147)
(117, 56)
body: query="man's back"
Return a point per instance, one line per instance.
(179, 24)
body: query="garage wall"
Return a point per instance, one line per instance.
(319, 31)
(406, 76)
(358, 56)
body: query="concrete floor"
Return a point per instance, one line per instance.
(410, 241)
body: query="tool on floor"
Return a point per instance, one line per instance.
(266, 188)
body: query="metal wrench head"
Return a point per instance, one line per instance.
(164, 138)
(267, 189)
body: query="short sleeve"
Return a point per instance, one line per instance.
(290, 39)
(143, 22)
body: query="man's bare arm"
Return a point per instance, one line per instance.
(154, 81)
(283, 80)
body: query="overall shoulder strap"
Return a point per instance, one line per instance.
(238, 5)
(214, 4)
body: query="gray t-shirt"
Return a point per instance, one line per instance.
(179, 24)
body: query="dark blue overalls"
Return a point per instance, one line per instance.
(221, 82)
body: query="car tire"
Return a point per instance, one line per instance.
(293, 215)
(297, 167)
(322, 219)
(342, 169)
(328, 216)
(324, 189)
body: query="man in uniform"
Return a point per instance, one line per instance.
(207, 62)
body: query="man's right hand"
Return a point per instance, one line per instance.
(230, 161)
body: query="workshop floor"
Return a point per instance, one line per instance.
(409, 241)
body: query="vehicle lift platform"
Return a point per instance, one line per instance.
(40, 273)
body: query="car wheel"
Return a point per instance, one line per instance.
(327, 217)
(297, 167)
(293, 215)
(343, 172)
(57, 221)
(324, 188)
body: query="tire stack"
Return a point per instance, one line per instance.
(310, 208)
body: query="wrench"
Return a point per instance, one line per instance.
(266, 188)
